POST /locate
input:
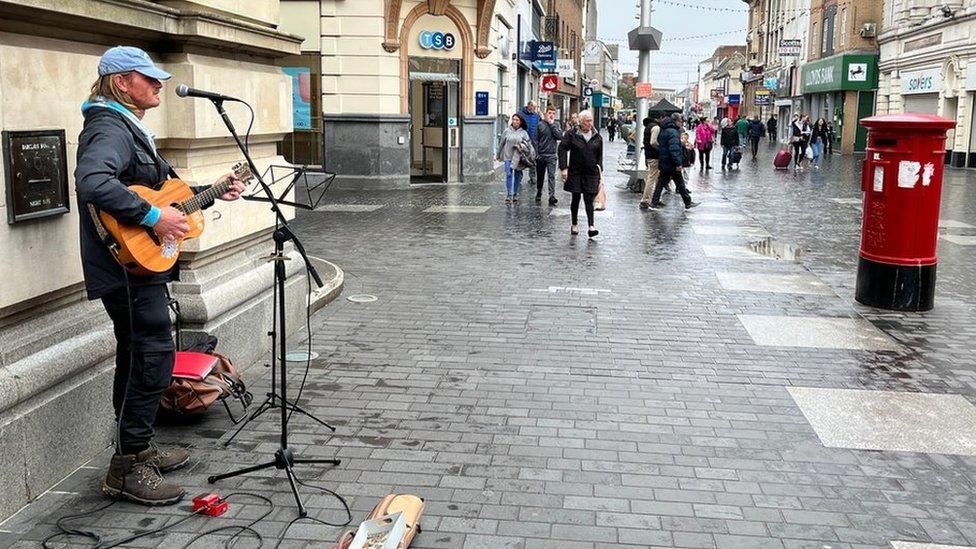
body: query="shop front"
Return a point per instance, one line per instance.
(841, 89)
(399, 105)
(970, 89)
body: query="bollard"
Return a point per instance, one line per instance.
(902, 183)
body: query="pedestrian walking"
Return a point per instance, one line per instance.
(689, 152)
(729, 139)
(818, 140)
(530, 121)
(756, 131)
(800, 138)
(513, 137)
(572, 124)
(670, 159)
(651, 132)
(771, 126)
(611, 128)
(704, 141)
(581, 163)
(742, 126)
(548, 136)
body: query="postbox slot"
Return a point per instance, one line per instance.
(885, 142)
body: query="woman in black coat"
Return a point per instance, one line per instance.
(581, 162)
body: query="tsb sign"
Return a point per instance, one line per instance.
(437, 40)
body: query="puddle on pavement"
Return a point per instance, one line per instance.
(779, 250)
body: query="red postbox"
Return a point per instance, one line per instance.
(902, 184)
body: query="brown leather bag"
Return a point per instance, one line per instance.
(193, 395)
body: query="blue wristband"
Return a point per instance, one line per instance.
(151, 217)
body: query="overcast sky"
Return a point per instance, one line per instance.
(670, 68)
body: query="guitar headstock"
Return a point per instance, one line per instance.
(242, 171)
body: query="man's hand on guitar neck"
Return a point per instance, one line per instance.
(172, 224)
(236, 187)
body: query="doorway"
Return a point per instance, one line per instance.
(435, 121)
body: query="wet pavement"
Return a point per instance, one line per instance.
(696, 379)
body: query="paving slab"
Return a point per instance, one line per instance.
(733, 252)
(774, 283)
(817, 332)
(884, 420)
(457, 209)
(352, 208)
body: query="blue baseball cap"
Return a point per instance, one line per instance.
(129, 58)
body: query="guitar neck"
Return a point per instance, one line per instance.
(205, 197)
(241, 171)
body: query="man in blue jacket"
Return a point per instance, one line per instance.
(530, 117)
(671, 155)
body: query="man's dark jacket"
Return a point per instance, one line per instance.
(547, 137)
(530, 120)
(650, 152)
(113, 154)
(671, 154)
(756, 128)
(730, 136)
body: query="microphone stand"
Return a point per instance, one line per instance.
(284, 457)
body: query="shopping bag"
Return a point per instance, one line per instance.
(809, 152)
(600, 202)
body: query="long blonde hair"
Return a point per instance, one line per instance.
(106, 87)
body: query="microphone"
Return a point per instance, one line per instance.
(185, 91)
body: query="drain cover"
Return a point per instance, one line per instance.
(300, 356)
(362, 298)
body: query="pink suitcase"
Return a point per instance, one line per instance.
(782, 159)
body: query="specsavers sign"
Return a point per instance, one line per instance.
(840, 72)
(927, 81)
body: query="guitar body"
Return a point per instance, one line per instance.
(139, 251)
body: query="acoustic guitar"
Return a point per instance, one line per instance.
(139, 249)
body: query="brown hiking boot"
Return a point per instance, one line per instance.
(169, 459)
(133, 478)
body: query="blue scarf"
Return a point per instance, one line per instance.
(106, 103)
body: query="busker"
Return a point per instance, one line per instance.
(756, 131)
(771, 126)
(670, 159)
(651, 132)
(514, 135)
(116, 150)
(704, 141)
(548, 136)
(530, 120)
(730, 142)
(581, 162)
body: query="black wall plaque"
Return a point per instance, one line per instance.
(36, 168)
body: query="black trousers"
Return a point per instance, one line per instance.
(587, 205)
(755, 145)
(679, 184)
(145, 352)
(705, 157)
(799, 152)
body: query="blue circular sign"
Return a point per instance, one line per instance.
(437, 40)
